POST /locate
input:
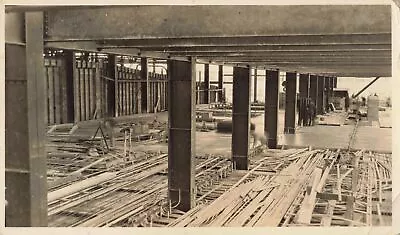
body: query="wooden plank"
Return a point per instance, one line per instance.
(307, 207)
(116, 96)
(63, 90)
(159, 96)
(77, 102)
(378, 209)
(105, 97)
(57, 94)
(139, 97)
(326, 220)
(76, 187)
(50, 94)
(82, 91)
(89, 94)
(321, 183)
(130, 98)
(338, 182)
(125, 95)
(369, 196)
(98, 91)
(87, 91)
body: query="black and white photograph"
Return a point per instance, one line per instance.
(141, 116)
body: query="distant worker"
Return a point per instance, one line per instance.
(347, 103)
(263, 139)
(307, 116)
(109, 125)
(312, 110)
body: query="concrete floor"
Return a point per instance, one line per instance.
(333, 137)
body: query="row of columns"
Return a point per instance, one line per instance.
(26, 184)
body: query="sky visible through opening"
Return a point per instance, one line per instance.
(382, 87)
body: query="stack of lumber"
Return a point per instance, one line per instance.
(300, 187)
(356, 192)
(261, 201)
(135, 195)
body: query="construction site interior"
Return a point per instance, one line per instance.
(131, 121)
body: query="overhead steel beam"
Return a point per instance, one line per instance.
(243, 51)
(288, 53)
(90, 46)
(260, 40)
(234, 48)
(207, 21)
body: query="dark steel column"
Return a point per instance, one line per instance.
(255, 85)
(182, 130)
(334, 82)
(313, 88)
(271, 107)
(25, 121)
(206, 83)
(220, 82)
(320, 90)
(241, 117)
(111, 86)
(69, 72)
(327, 92)
(290, 106)
(144, 86)
(304, 83)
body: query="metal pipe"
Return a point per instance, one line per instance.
(369, 84)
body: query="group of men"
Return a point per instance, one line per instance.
(307, 112)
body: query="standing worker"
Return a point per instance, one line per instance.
(312, 113)
(109, 125)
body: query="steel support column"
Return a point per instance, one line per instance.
(313, 88)
(220, 83)
(144, 85)
(69, 56)
(206, 83)
(321, 95)
(271, 108)
(304, 83)
(334, 82)
(327, 92)
(290, 106)
(111, 86)
(25, 114)
(182, 130)
(255, 85)
(241, 117)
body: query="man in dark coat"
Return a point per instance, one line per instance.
(311, 113)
